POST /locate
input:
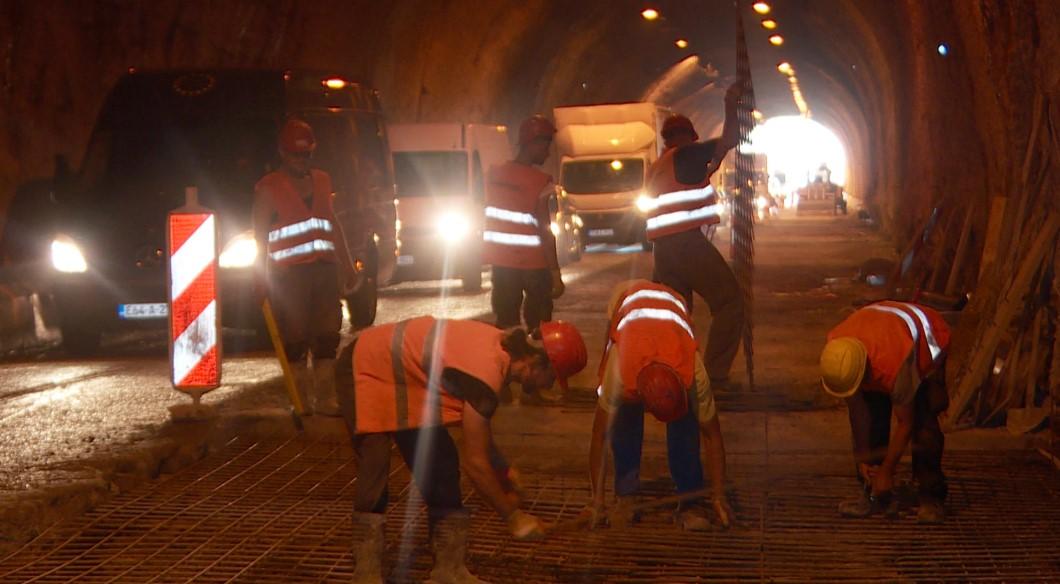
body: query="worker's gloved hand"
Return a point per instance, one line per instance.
(524, 526)
(726, 517)
(509, 480)
(867, 472)
(595, 514)
(557, 284)
(734, 93)
(882, 482)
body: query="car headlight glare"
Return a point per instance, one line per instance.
(453, 227)
(67, 257)
(762, 203)
(645, 203)
(240, 252)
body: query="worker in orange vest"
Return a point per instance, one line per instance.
(405, 382)
(295, 226)
(683, 204)
(889, 358)
(517, 240)
(651, 363)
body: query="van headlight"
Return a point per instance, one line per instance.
(67, 256)
(453, 227)
(645, 203)
(240, 252)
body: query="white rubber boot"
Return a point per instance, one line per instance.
(449, 544)
(369, 536)
(325, 402)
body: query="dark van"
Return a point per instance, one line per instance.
(161, 131)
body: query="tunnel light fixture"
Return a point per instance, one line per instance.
(776, 40)
(785, 68)
(334, 83)
(761, 7)
(681, 43)
(649, 14)
(769, 24)
(943, 49)
(757, 115)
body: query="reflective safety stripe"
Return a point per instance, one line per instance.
(675, 217)
(677, 197)
(397, 366)
(511, 216)
(300, 228)
(929, 335)
(517, 239)
(315, 246)
(655, 314)
(654, 295)
(433, 406)
(908, 320)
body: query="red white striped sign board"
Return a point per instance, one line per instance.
(194, 319)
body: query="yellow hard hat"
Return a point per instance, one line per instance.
(843, 366)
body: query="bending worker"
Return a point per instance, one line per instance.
(651, 363)
(295, 223)
(886, 358)
(684, 203)
(405, 382)
(517, 240)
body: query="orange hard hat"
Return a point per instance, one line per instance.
(662, 392)
(535, 127)
(678, 123)
(565, 348)
(297, 136)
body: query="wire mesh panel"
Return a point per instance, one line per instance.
(743, 203)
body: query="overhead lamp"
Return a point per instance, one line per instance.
(334, 83)
(681, 43)
(943, 49)
(776, 40)
(769, 24)
(649, 14)
(785, 68)
(761, 7)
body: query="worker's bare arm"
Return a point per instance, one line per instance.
(597, 454)
(711, 430)
(478, 440)
(903, 431)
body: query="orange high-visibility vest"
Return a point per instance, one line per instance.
(511, 235)
(890, 330)
(676, 206)
(651, 323)
(299, 234)
(397, 371)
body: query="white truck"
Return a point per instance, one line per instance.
(605, 152)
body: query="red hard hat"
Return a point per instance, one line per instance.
(297, 136)
(565, 348)
(535, 127)
(662, 392)
(678, 123)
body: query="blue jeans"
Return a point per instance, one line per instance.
(682, 449)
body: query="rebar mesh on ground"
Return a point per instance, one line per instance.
(279, 512)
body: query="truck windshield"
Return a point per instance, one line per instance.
(586, 177)
(431, 174)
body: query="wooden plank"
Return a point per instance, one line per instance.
(993, 236)
(961, 253)
(981, 356)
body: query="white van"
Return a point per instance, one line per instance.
(440, 174)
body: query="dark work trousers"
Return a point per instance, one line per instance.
(305, 301)
(928, 440)
(530, 290)
(688, 263)
(428, 452)
(682, 450)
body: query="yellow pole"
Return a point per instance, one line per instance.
(281, 354)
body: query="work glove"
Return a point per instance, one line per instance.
(726, 517)
(595, 514)
(734, 93)
(524, 526)
(557, 284)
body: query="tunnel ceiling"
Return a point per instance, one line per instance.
(916, 125)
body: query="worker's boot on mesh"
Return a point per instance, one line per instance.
(931, 512)
(691, 518)
(303, 382)
(863, 506)
(623, 515)
(449, 544)
(324, 399)
(369, 536)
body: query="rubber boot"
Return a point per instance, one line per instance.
(324, 399)
(303, 382)
(368, 542)
(449, 544)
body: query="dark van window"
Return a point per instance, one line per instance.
(431, 174)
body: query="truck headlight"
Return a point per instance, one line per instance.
(240, 252)
(67, 257)
(453, 227)
(761, 203)
(645, 203)
(554, 228)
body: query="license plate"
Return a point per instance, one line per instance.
(143, 311)
(601, 232)
(405, 260)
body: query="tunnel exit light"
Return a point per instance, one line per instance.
(649, 14)
(761, 7)
(943, 49)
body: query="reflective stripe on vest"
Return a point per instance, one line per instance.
(513, 239)
(655, 314)
(511, 216)
(433, 407)
(696, 216)
(914, 332)
(309, 247)
(299, 229)
(654, 295)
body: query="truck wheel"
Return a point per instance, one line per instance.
(471, 280)
(576, 248)
(362, 304)
(80, 342)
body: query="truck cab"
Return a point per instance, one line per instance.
(440, 174)
(161, 131)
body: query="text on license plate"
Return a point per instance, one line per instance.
(405, 260)
(601, 232)
(143, 311)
